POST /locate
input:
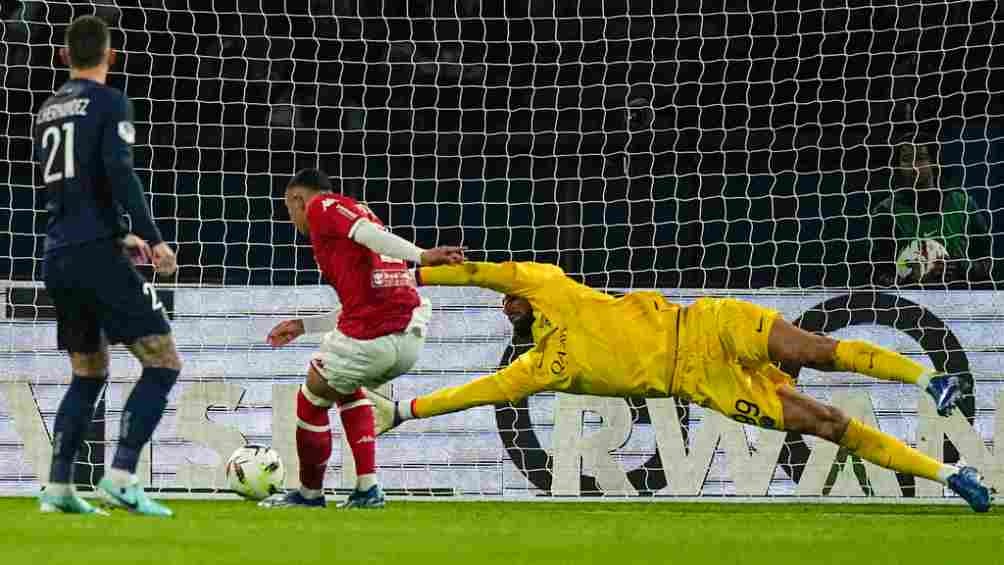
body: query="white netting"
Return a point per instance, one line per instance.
(638, 144)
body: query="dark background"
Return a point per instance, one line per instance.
(771, 131)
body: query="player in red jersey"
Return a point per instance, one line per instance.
(374, 337)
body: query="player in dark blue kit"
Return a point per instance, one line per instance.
(83, 143)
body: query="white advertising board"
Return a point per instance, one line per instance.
(234, 388)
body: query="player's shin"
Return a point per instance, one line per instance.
(142, 413)
(356, 412)
(887, 451)
(72, 419)
(479, 392)
(313, 441)
(866, 358)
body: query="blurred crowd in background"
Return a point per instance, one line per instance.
(643, 143)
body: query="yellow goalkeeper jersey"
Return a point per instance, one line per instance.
(586, 341)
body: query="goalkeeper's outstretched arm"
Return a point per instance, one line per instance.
(520, 279)
(511, 384)
(484, 391)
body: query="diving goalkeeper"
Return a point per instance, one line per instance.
(719, 353)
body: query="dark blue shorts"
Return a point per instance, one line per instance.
(99, 295)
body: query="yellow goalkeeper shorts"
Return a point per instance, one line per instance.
(723, 363)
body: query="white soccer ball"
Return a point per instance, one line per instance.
(255, 472)
(919, 258)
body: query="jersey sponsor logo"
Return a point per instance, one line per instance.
(127, 132)
(388, 260)
(326, 203)
(559, 364)
(69, 109)
(386, 279)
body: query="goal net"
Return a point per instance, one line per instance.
(782, 155)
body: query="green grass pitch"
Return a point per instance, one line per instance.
(481, 533)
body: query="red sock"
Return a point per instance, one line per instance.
(313, 441)
(357, 421)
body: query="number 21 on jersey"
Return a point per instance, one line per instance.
(54, 138)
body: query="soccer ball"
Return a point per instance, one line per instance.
(255, 472)
(919, 258)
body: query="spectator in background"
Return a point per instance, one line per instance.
(921, 208)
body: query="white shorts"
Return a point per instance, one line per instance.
(348, 363)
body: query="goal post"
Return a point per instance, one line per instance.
(694, 148)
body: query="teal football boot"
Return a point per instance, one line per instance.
(67, 504)
(133, 499)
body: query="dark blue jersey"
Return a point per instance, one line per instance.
(83, 144)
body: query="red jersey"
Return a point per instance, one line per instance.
(377, 292)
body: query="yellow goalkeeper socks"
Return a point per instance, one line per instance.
(479, 392)
(886, 451)
(869, 359)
